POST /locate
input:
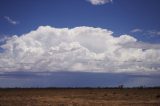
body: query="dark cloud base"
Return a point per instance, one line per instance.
(76, 79)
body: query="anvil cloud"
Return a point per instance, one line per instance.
(79, 49)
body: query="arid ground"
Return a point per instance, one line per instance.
(79, 97)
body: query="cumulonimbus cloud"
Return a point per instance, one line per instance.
(84, 49)
(99, 2)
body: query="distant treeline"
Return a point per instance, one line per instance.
(118, 87)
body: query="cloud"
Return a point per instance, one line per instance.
(79, 49)
(136, 30)
(99, 2)
(10, 20)
(3, 39)
(153, 33)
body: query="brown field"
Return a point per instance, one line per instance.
(79, 97)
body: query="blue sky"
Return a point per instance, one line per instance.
(121, 16)
(135, 23)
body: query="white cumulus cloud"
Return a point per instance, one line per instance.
(85, 49)
(99, 2)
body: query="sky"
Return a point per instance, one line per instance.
(79, 43)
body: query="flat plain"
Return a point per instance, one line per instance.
(79, 97)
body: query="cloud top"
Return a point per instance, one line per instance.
(99, 2)
(83, 49)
